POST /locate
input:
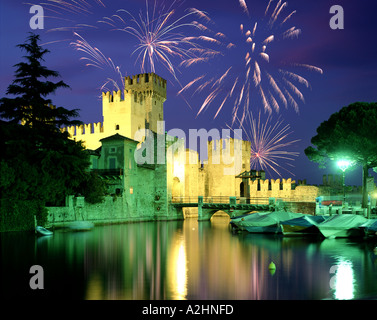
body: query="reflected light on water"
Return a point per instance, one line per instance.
(187, 260)
(178, 271)
(344, 281)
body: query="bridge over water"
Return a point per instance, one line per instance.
(233, 206)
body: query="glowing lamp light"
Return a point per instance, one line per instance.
(343, 164)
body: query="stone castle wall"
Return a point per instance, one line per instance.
(111, 210)
(138, 106)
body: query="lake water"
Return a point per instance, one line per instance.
(186, 260)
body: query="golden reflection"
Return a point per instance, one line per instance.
(95, 288)
(178, 270)
(211, 254)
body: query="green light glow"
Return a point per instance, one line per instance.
(344, 282)
(343, 164)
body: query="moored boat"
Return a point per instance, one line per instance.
(267, 222)
(43, 231)
(370, 227)
(342, 226)
(234, 221)
(305, 225)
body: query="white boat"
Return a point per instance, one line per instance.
(342, 226)
(43, 231)
(267, 222)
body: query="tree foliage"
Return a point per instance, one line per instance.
(38, 161)
(348, 134)
(31, 87)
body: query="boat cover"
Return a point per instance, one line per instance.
(370, 225)
(269, 219)
(236, 219)
(305, 221)
(344, 221)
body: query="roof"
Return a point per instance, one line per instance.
(253, 174)
(117, 136)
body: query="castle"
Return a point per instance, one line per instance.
(139, 106)
(146, 189)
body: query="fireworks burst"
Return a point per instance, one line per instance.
(274, 86)
(268, 141)
(159, 34)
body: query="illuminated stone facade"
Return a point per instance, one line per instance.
(139, 106)
(146, 191)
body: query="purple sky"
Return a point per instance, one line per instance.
(347, 57)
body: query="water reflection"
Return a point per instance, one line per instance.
(187, 260)
(344, 280)
(178, 271)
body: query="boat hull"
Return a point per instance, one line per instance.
(339, 232)
(293, 231)
(43, 232)
(302, 226)
(263, 229)
(370, 228)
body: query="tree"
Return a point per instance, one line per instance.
(46, 165)
(31, 106)
(349, 134)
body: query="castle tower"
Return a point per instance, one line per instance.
(226, 158)
(140, 107)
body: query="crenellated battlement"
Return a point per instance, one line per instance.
(146, 82)
(140, 105)
(84, 129)
(116, 96)
(283, 188)
(145, 78)
(272, 184)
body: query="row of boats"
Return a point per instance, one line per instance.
(299, 224)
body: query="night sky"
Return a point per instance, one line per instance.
(347, 58)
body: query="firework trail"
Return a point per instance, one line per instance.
(268, 140)
(94, 57)
(160, 36)
(160, 33)
(68, 11)
(272, 86)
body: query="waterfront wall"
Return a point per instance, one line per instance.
(300, 207)
(112, 210)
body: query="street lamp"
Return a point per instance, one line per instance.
(343, 165)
